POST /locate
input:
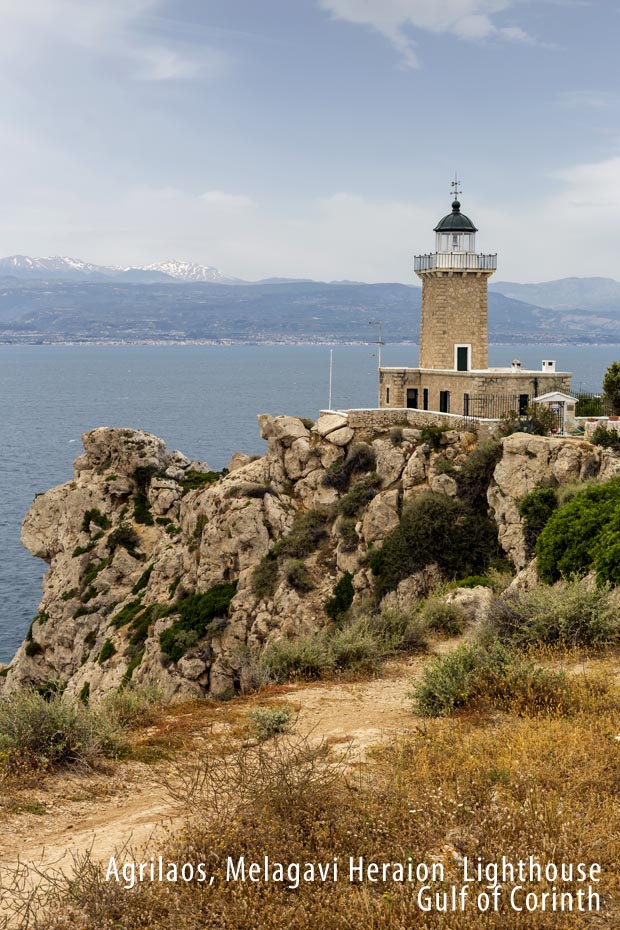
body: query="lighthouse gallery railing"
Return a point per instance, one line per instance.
(455, 261)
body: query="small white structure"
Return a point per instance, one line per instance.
(563, 406)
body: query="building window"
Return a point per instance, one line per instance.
(387, 395)
(465, 405)
(444, 401)
(524, 402)
(462, 355)
(412, 398)
(425, 399)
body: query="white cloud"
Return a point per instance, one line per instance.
(588, 99)
(118, 29)
(467, 19)
(227, 201)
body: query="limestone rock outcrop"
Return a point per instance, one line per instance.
(164, 572)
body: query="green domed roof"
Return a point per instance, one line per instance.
(455, 222)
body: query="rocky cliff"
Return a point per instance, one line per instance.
(163, 572)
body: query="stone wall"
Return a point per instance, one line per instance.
(454, 311)
(395, 382)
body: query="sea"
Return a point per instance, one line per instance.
(200, 399)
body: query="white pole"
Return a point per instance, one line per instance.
(331, 370)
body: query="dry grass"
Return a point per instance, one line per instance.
(475, 785)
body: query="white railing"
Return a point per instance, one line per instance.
(455, 261)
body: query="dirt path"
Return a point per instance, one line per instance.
(72, 814)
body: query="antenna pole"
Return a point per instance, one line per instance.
(331, 373)
(379, 343)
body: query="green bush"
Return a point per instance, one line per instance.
(438, 529)
(571, 613)
(433, 435)
(142, 581)
(265, 577)
(298, 576)
(95, 516)
(307, 658)
(348, 534)
(359, 496)
(357, 645)
(107, 651)
(197, 616)
(125, 536)
(360, 458)
(443, 466)
(611, 386)
(475, 475)
(535, 509)
(496, 676)
(307, 533)
(196, 480)
(267, 722)
(442, 617)
(127, 613)
(606, 438)
(342, 597)
(396, 435)
(51, 731)
(583, 535)
(537, 420)
(33, 649)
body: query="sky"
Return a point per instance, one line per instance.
(311, 138)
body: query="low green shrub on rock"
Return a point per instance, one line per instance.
(582, 536)
(436, 529)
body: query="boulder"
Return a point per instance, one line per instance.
(381, 517)
(287, 429)
(328, 422)
(340, 437)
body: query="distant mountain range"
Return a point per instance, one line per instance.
(60, 299)
(62, 268)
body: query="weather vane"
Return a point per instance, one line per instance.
(455, 186)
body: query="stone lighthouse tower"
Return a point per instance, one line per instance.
(453, 377)
(454, 324)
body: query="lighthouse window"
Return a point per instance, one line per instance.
(455, 242)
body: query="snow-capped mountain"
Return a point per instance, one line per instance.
(56, 266)
(62, 267)
(189, 271)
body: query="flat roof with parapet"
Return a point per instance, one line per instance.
(476, 371)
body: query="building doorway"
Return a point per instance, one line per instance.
(412, 398)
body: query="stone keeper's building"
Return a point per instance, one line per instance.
(454, 374)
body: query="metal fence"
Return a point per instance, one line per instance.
(593, 405)
(455, 261)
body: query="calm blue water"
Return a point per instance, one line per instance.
(202, 400)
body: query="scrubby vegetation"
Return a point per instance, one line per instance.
(196, 480)
(360, 458)
(298, 576)
(342, 597)
(582, 536)
(443, 617)
(95, 516)
(42, 729)
(198, 615)
(267, 722)
(606, 438)
(537, 420)
(516, 783)
(535, 509)
(572, 613)
(356, 645)
(308, 532)
(125, 536)
(434, 529)
(359, 496)
(505, 680)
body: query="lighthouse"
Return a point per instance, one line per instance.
(453, 376)
(454, 322)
